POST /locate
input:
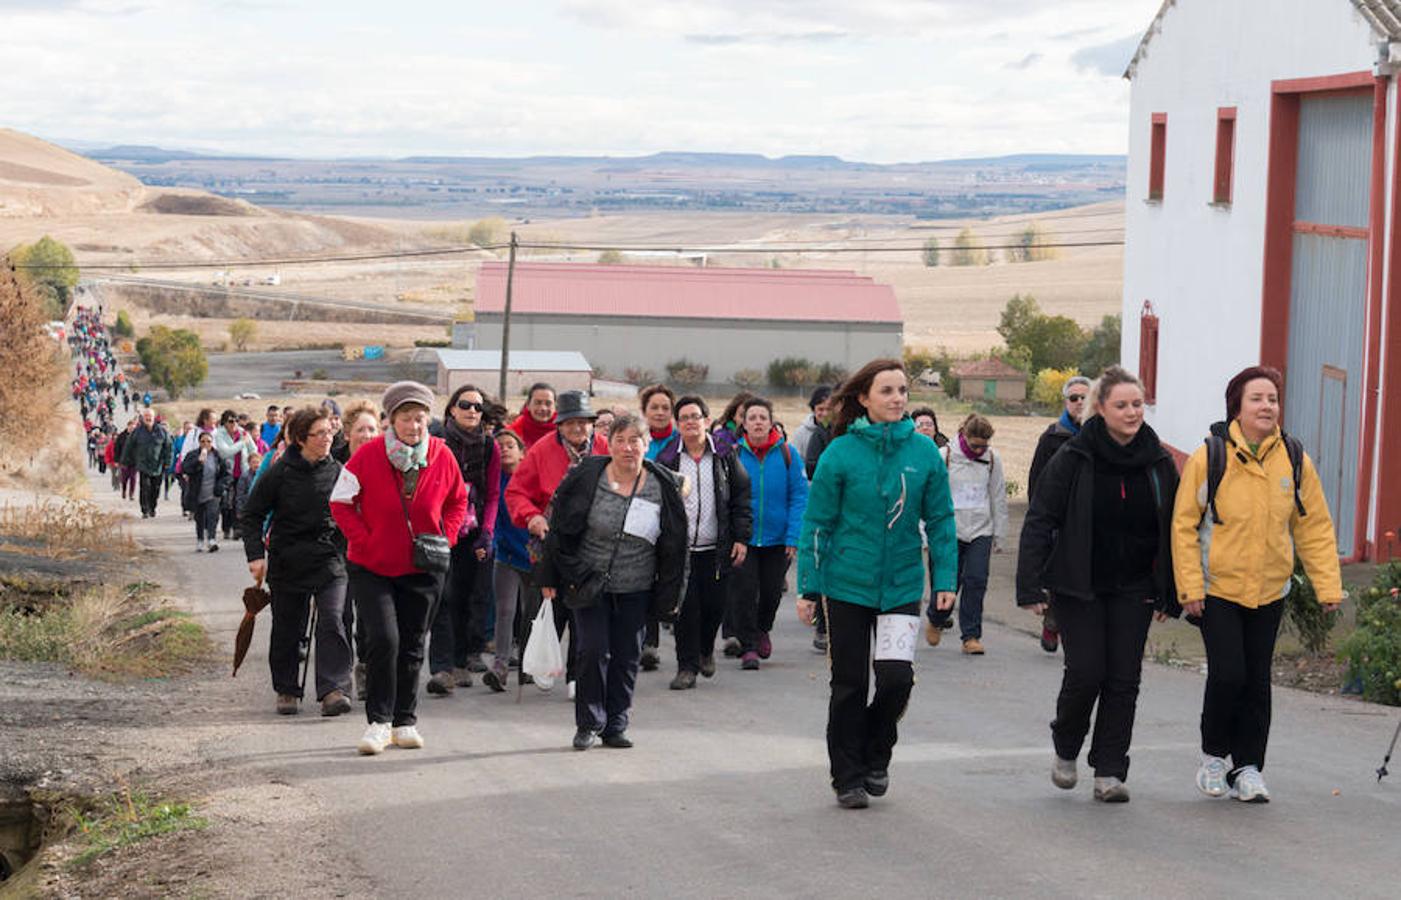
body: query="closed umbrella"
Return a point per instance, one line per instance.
(254, 599)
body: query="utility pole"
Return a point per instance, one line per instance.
(506, 322)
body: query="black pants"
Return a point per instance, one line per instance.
(861, 735)
(395, 613)
(758, 585)
(531, 600)
(701, 613)
(290, 609)
(1103, 640)
(206, 516)
(609, 634)
(459, 628)
(150, 492)
(229, 507)
(1240, 644)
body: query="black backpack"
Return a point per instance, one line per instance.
(1216, 467)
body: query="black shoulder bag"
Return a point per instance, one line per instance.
(431, 552)
(586, 593)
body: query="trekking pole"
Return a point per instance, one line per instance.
(1382, 772)
(310, 630)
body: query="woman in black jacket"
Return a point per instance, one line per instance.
(207, 476)
(616, 550)
(305, 559)
(1096, 546)
(719, 523)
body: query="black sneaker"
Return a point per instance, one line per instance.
(618, 741)
(819, 644)
(584, 739)
(495, 679)
(877, 783)
(683, 681)
(853, 798)
(708, 666)
(733, 648)
(651, 659)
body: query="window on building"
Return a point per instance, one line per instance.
(1148, 352)
(1225, 154)
(1158, 158)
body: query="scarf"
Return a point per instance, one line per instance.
(662, 435)
(967, 450)
(471, 451)
(769, 443)
(1070, 424)
(403, 457)
(1139, 453)
(529, 429)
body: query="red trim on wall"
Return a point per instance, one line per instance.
(1179, 458)
(1347, 81)
(1225, 154)
(1338, 231)
(1389, 465)
(1279, 228)
(1157, 157)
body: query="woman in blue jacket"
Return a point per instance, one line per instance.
(778, 494)
(859, 554)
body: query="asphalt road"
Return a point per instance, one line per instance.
(726, 792)
(262, 373)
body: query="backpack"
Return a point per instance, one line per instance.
(1216, 468)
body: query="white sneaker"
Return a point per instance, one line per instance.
(1111, 790)
(1250, 786)
(374, 740)
(1063, 774)
(1211, 777)
(572, 687)
(408, 738)
(199, 545)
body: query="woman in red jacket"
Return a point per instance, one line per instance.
(392, 490)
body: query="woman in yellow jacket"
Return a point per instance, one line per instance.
(1235, 573)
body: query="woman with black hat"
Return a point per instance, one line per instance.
(400, 502)
(1234, 561)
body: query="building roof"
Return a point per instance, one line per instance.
(995, 369)
(806, 295)
(1383, 15)
(518, 361)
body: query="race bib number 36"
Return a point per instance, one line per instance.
(896, 637)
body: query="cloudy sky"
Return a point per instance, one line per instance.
(871, 80)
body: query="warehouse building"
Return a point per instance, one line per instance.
(626, 317)
(563, 370)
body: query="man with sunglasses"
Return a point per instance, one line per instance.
(1074, 393)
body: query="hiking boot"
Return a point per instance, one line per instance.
(441, 684)
(683, 681)
(213, 547)
(334, 704)
(619, 740)
(374, 740)
(651, 658)
(708, 666)
(287, 705)
(749, 662)
(1050, 640)
(1111, 790)
(877, 782)
(406, 737)
(1211, 777)
(462, 677)
(853, 798)
(819, 644)
(1250, 786)
(972, 647)
(584, 739)
(360, 688)
(496, 677)
(933, 634)
(1063, 774)
(733, 648)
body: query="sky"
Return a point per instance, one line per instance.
(868, 80)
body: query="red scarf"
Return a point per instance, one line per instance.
(530, 430)
(663, 435)
(769, 443)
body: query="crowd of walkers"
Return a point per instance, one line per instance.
(401, 533)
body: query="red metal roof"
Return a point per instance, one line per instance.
(987, 368)
(811, 295)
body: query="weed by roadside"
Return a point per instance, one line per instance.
(63, 528)
(127, 818)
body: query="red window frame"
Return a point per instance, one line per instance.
(1157, 161)
(1225, 155)
(1148, 352)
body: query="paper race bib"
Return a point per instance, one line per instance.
(972, 495)
(896, 637)
(644, 520)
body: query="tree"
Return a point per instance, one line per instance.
(1102, 348)
(49, 266)
(1055, 342)
(173, 358)
(241, 332)
(930, 253)
(1030, 245)
(123, 327)
(610, 258)
(1018, 318)
(30, 365)
(968, 250)
(486, 232)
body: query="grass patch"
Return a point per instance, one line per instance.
(128, 818)
(64, 529)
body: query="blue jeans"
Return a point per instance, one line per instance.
(973, 559)
(610, 647)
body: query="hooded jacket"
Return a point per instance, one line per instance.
(1249, 557)
(305, 549)
(148, 449)
(734, 519)
(1055, 554)
(530, 430)
(778, 492)
(860, 538)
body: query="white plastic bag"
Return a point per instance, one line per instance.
(543, 658)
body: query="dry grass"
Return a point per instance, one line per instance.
(64, 528)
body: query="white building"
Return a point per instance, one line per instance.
(564, 370)
(1261, 227)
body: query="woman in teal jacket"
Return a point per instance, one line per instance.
(859, 553)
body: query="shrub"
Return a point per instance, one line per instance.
(687, 374)
(639, 375)
(968, 250)
(241, 331)
(487, 232)
(1049, 383)
(1373, 650)
(123, 328)
(432, 342)
(1102, 348)
(173, 358)
(749, 379)
(319, 375)
(831, 373)
(1306, 618)
(610, 258)
(930, 252)
(792, 372)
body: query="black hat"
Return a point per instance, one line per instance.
(574, 405)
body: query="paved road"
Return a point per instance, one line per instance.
(726, 792)
(263, 372)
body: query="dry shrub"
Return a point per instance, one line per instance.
(31, 370)
(64, 528)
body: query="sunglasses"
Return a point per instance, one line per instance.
(1075, 398)
(468, 405)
